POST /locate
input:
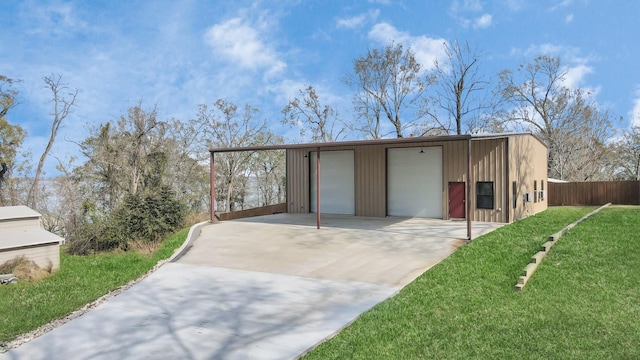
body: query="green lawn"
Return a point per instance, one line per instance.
(583, 302)
(80, 280)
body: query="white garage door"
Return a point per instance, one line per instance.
(414, 182)
(337, 182)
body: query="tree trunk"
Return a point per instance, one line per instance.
(33, 192)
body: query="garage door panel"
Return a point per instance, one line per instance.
(414, 182)
(337, 182)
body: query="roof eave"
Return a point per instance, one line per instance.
(327, 145)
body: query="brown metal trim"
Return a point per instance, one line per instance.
(213, 189)
(30, 246)
(318, 187)
(409, 140)
(329, 145)
(469, 187)
(286, 179)
(507, 185)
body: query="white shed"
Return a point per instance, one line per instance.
(22, 234)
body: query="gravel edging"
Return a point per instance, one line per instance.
(194, 231)
(537, 258)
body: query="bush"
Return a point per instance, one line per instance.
(142, 219)
(96, 237)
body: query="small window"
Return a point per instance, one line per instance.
(515, 194)
(484, 194)
(542, 190)
(535, 191)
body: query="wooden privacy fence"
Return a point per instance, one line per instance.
(265, 210)
(594, 193)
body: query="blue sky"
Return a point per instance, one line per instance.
(178, 54)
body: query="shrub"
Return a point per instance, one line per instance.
(96, 237)
(147, 218)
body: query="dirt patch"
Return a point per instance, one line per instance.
(143, 247)
(25, 269)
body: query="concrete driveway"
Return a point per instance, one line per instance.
(263, 288)
(384, 251)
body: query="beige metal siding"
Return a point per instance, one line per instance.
(527, 162)
(454, 169)
(489, 164)
(371, 186)
(370, 175)
(45, 256)
(19, 224)
(297, 181)
(371, 182)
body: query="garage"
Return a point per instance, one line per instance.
(414, 182)
(337, 182)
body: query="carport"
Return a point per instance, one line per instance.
(396, 189)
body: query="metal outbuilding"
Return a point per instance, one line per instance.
(493, 177)
(22, 234)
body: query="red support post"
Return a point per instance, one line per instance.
(469, 187)
(213, 189)
(318, 188)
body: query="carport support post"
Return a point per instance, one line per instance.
(318, 187)
(469, 184)
(213, 192)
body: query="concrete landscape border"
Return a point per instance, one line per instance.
(537, 258)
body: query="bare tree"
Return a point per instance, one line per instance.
(627, 155)
(462, 92)
(388, 83)
(138, 126)
(307, 112)
(11, 136)
(225, 126)
(574, 128)
(62, 107)
(269, 170)
(129, 156)
(189, 174)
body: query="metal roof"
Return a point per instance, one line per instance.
(17, 212)
(407, 140)
(15, 239)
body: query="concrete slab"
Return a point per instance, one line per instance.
(389, 251)
(262, 288)
(185, 311)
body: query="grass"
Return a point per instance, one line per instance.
(582, 302)
(80, 280)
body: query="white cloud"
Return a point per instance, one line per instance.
(515, 5)
(568, 18)
(561, 4)
(634, 115)
(567, 54)
(466, 5)
(53, 19)
(357, 21)
(544, 49)
(383, 2)
(427, 49)
(457, 9)
(482, 22)
(352, 22)
(575, 75)
(242, 44)
(575, 66)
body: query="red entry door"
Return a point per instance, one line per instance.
(456, 200)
